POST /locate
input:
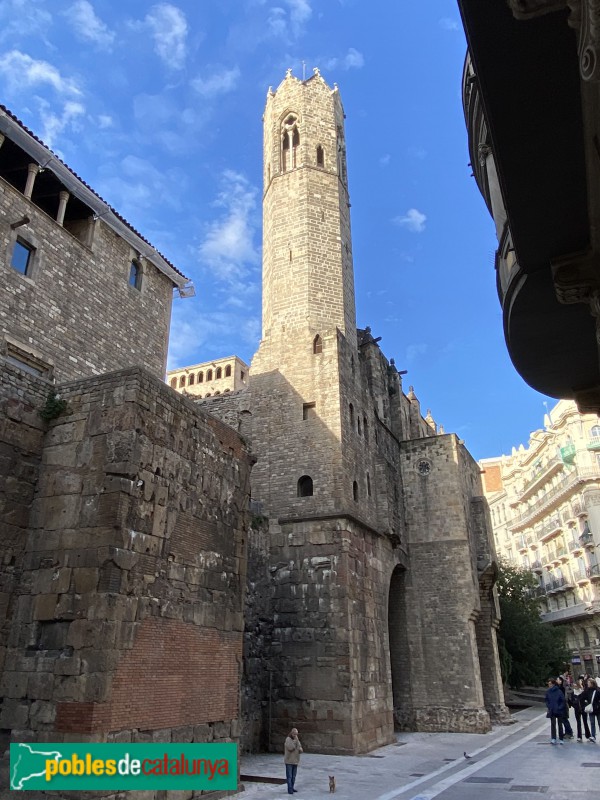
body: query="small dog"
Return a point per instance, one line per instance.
(332, 783)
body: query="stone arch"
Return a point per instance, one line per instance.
(290, 141)
(399, 649)
(305, 486)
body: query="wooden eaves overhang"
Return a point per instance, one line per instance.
(16, 132)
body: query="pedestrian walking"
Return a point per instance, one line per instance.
(578, 707)
(590, 699)
(555, 703)
(291, 757)
(564, 687)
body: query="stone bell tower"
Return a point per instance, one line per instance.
(313, 474)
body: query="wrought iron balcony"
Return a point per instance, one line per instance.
(580, 575)
(586, 539)
(536, 566)
(575, 545)
(593, 443)
(593, 572)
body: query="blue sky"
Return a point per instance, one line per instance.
(158, 106)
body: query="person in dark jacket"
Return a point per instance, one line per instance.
(567, 692)
(591, 696)
(578, 707)
(555, 703)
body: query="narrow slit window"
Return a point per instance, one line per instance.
(135, 275)
(320, 156)
(317, 345)
(355, 491)
(351, 411)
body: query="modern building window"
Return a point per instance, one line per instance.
(317, 345)
(135, 275)
(209, 375)
(355, 491)
(305, 486)
(320, 156)
(309, 411)
(218, 374)
(191, 379)
(22, 257)
(182, 380)
(228, 371)
(200, 377)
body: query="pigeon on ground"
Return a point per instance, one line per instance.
(466, 756)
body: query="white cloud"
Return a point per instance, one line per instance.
(228, 248)
(289, 22)
(55, 124)
(134, 185)
(22, 19)
(105, 121)
(219, 82)
(449, 24)
(169, 29)
(20, 72)
(88, 26)
(352, 60)
(194, 332)
(413, 221)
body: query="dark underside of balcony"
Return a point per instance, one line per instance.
(528, 76)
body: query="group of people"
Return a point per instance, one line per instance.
(581, 695)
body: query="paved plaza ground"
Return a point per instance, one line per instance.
(515, 762)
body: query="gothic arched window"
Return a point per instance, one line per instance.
(290, 141)
(305, 486)
(317, 345)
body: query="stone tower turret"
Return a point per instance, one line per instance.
(308, 280)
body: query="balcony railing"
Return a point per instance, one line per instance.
(586, 539)
(557, 584)
(580, 575)
(593, 443)
(553, 526)
(568, 480)
(575, 545)
(554, 464)
(536, 566)
(593, 572)
(561, 551)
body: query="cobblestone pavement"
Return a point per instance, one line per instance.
(514, 762)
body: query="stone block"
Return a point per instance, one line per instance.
(70, 665)
(40, 685)
(42, 713)
(85, 579)
(14, 714)
(203, 733)
(13, 684)
(45, 606)
(222, 730)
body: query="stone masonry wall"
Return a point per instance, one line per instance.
(77, 308)
(21, 440)
(128, 619)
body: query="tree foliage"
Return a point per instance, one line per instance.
(530, 650)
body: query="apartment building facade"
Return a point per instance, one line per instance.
(545, 507)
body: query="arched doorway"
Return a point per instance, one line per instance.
(399, 655)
